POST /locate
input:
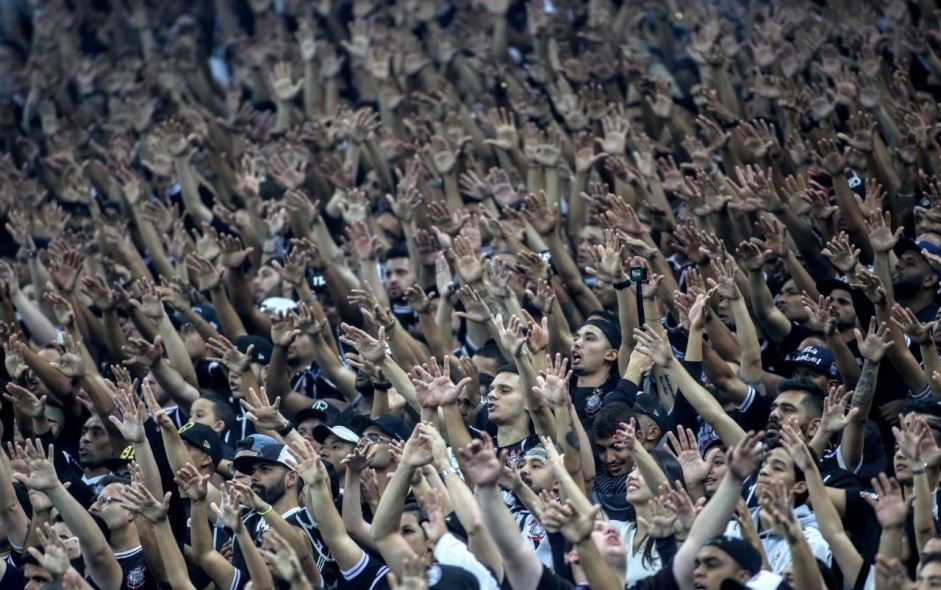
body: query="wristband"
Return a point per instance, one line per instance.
(32, 254)
(447, 471)
(265, 511)
(382, 386)
(920, 470)
(621, 285)
(286, 430)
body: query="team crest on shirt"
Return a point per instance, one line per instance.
(513, 459)
(536, 531)
(593, 404)
(135, 577)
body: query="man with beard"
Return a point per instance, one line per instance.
(914, 281)
(275, 480)
(533, 476)
(399, 275)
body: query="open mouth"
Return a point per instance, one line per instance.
(576, 358)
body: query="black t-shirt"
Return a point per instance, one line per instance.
(13, 578)
(368, 574)
(550, 581)
(662, 580)
(134, 570)
(517, 450)
(302, 519)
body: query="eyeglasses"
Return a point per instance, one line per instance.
(105, 500)
(376, 438)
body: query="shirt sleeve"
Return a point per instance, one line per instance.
(450, 551)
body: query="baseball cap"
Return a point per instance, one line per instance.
(254, 443)
(763, 580)
(907, 245)
(203, 438)
(321, 432)
(647, 403)
(818, 358)
(746, 556)
(261, 353)
(392, 425)
(275, 453)
(121, 461)
(321, 410)
(207, 312)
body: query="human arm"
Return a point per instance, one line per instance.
(12, 516)
(102, 565)
(831, 525)
(139, 500)
(911, 439)
(577, 525)
(522, 566)
(803, 563)
(194, 486)
(657, 348)
(231, 514)
(743, 459)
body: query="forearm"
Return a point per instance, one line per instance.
(924, 518)
(772, 321)
(173, 562)
(102, 565)
(173, 383)
(389, 513)
(258, 571)
(12, 516)
(229, 319)
(845, 359)
(177, 356)
(189, 191)
(277, 380)
(929, 356)
(727, 429)
(41, 330)
(747, 336)
(399, 379)
(571, 276)
(56, 382)
(326, 359)
(804, 565)
(353, 521)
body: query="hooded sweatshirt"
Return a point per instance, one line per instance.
(776, 546)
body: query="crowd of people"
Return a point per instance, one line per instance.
(479, 294)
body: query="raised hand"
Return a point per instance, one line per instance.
(686, 450)
(25, 400)
(482, 462)
(193, 485)
(142, 353)
(284, 560)
(227, 355)
(662, 521)
(265, 415)
(608, 260)
(434, 387)
(208, 276)
(414, 575)
(835, 417)
(652, 345)
(55, 555)
(725, 271)
(466, 261)
(876, 343)
(283, 331)
(881, 236)
(372, 349)
(891, 508)
(747, 455)
(417, 451)
(136, 498)
(65, 270)
(752, 257)
(475, 310)
(133, 412)
(553, 381)
(358, 460)
(231, 510)
(908, 322)
(71, 363)
(309, 464)
(41, 472)
(576, 526)
(543, 217)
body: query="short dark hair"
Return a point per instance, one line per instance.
(508, 368)
(221, 407)
(490, 350)
(813, 398)
(397, 251)
(927, 407)
(931, 557)
(609, 419)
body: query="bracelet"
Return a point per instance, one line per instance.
(447, 471)
(621, 285)
(287, 429)
(378, 386)
(920, 470)
(266, 511)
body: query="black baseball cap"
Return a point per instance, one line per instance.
(818, 358)
(647, 403)
(746, 556)
(392, 425)
(203, 438)
(121, 461)
(261, 353)
(321, 410)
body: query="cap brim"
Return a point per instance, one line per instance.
(245, 464)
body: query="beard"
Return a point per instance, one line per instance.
(907, 287)
(272, 493)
